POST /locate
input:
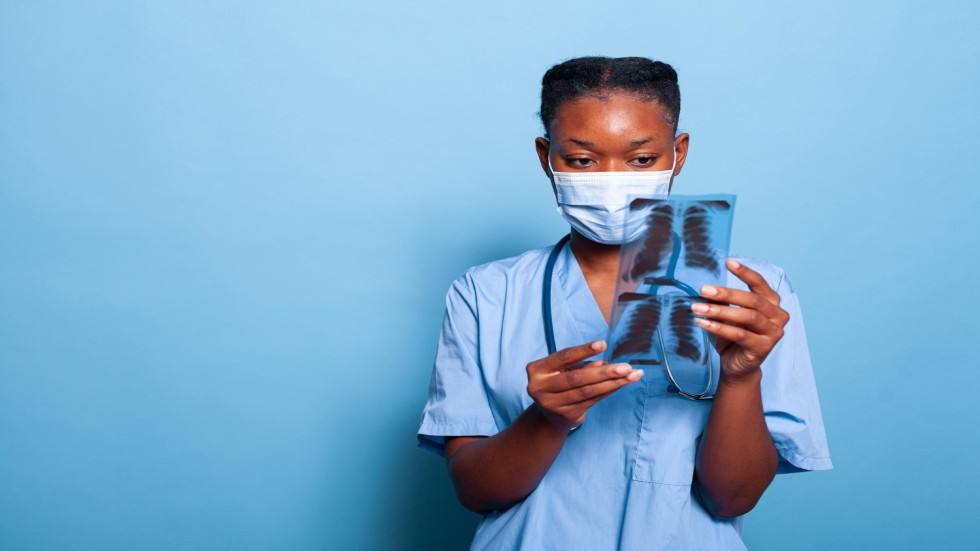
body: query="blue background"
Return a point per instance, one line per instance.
(227, 229)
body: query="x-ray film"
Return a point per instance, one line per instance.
(684, 245)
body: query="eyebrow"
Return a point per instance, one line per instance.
(633, 144)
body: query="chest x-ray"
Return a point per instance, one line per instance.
(684, 246)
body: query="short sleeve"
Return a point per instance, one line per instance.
(457, 403)
(789, 394)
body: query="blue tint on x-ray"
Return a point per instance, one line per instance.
(682, 247)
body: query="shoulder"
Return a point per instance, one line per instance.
(492, 277)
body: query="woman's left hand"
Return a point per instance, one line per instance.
(747, 331)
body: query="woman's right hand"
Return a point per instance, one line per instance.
(564, 390)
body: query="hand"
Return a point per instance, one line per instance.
(563, 391)
(748, 333)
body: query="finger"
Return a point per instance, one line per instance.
(568, 357)
(590, 402)
(752, 278)
(583, 364)
(594, 391)
(745, 317)
(745, 299)
(580, 408)
(567, 380)
(741, 336)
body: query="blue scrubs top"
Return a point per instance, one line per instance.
(623, 479)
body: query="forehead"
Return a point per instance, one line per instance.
(609, 115)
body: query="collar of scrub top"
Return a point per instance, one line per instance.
(668, 280)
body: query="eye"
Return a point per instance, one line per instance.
(579, 162)
(644, 161)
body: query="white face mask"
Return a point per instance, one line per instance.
(595, 203)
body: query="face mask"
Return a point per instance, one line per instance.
(595, 203)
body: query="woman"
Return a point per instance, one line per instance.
(563, 451)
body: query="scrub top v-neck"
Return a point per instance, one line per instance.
(623, 479)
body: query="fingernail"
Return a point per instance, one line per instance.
(702, 322)
(734, 263)
(597, 345)
(709, 291)
(622, 369)
(700, 308)
(636, 374)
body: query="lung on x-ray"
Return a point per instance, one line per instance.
(683, 246)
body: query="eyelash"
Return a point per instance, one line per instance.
(575, 161)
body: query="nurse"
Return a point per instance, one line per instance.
(563, 451)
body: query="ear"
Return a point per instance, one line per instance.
(681, 144)
(542, 146)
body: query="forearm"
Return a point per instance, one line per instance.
(496, 472)
(737, 459)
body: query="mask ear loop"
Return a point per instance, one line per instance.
(554, 183)
(673, 167)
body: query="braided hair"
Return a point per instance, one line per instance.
(593, 76)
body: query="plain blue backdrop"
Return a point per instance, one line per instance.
(227, 230)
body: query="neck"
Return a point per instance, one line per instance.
(595, 258)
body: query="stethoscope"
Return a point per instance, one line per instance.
(667, 280)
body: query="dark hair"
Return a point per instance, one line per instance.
(591, 76)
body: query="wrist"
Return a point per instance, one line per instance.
(752, 379)
(550, 423)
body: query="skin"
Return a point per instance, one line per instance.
(736, 460)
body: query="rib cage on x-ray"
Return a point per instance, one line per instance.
(644, 319)
(697, 228)
(685, 240)
(696, 232)
(684, 335)
(656, 241)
